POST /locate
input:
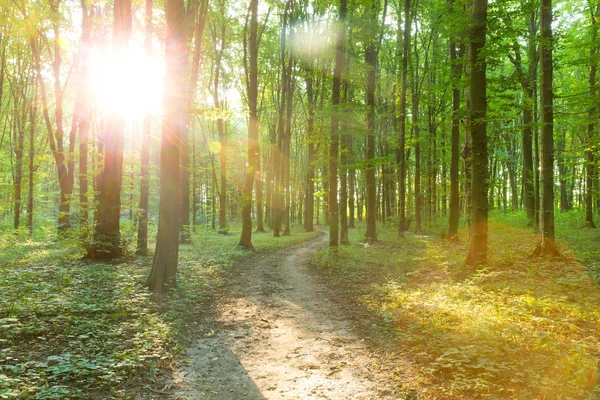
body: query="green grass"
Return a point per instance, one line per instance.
(71, 328)
(516, 328)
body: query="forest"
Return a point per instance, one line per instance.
(281, 199)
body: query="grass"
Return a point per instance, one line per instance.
(516, 328)
(76, 329)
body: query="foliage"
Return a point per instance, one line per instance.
(69, 328)
(515, 328)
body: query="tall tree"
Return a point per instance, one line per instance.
(81, 119)
(478, 92)
(371, 54)
(107, 235)
(546, 245)
(164, 264)
(401, 154)
(593, 117)
(335, 125)
(455, 69)
(142, 233)
(251, 73)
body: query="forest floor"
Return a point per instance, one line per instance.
(278, 334)
(398, 319)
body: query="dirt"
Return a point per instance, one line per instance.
(278, 335)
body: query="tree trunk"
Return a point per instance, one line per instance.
(32, 168)
(593, 121)
(334, 145)
(142, 233)
(454, 207)
(401, 155)
(546, 245)
(478, 247)
(164, 264)
(252, 92)
(107, 237)
(309, 211)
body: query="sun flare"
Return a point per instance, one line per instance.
(131, 85)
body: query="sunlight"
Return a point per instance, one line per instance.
(130, 85)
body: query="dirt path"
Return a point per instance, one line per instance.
(278, 336)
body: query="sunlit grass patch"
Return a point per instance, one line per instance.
(514, 328)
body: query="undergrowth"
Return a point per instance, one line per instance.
(516, 328)
(76, 329)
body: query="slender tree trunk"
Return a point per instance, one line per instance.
(478, 247)
(309, 211)
(142, 233)
(334, 145)
(286, 164)
(416, 130)
(454, 207)
(82, 113)
(345, 160)
(164, 264)
(402, 120)
(546, 245)
(18, 150)
(352, 191)
(32, 168)
(593, 121)
(252, 92)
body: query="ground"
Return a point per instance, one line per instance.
(278, 335)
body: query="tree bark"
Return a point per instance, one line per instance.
(401, 155)
(252, 92)
(164, 264)
(478, 90)
(107, 236)
(334, 144)
(546, 245)
(371, 54)
(454, 207)
(590, 173)
(142, 233)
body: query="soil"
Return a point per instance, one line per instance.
(278, 334)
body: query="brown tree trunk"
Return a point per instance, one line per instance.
(309, 209)
(32, 168)
(401, 155)
(478, 247)
(142, 233)
(334, 136)
(82, 113)
(107, 237)
(454, 207)
(164, 264)
(252, 92)
(546, 245)
(593, 121)
(371, 54)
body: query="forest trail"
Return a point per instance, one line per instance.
(277, 335)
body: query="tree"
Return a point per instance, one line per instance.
(252, 92)
(164, 265)
(455, 69)
(402, 139)
(371, 54)
(546, 245)
(593, 119)
(335, 126)
(142, 233)
(107, 235)
(478, 92)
